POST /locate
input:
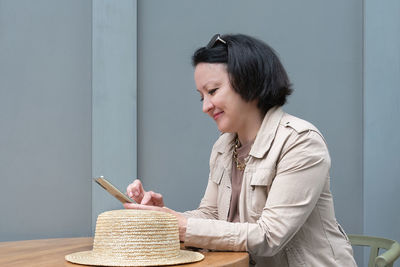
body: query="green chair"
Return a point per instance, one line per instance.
(385, 259)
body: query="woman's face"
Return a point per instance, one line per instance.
(220, 101)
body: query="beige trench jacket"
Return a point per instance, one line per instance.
(285, 205)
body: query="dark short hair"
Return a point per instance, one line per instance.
(255, 71)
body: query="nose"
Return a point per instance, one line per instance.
(207, 105)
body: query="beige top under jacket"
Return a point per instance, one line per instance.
(286, 208)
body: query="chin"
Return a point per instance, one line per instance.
(224, 129)
(225, 125)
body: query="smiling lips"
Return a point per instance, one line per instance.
(217, 115)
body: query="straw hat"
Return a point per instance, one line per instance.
(135, 238)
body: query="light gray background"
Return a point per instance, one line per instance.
(125, 104)
(321, 51)
(114, 99)
(381, 119)
(45, 119)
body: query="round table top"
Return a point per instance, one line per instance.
(51, 252)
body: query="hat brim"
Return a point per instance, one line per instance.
(90, 258)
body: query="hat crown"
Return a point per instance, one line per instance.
(135, 238)
(139, 235)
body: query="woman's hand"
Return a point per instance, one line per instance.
(136, 192)
(182, 220)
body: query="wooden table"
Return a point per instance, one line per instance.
(51, 253)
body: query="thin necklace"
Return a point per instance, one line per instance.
(239, 165)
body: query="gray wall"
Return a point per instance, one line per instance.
(324, 63)
(320, 44)
(342, 57)
(381, 119)
(114, 99)
(45, 119)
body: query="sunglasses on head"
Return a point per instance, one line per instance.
(216, 38)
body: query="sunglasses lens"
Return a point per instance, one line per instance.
(211, 43)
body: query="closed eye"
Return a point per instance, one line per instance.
(212, 91)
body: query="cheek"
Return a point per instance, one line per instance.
(221, 101)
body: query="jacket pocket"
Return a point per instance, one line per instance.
(343, 232)
(260, 184)
(217, 174)
(295, 256)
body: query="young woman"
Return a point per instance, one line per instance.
(268, 189)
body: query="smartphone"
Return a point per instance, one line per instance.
(112, 190)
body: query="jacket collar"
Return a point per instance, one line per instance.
(266, 133)
(264, 138)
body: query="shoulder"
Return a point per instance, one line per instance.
(301, 139)
(300, 126)
(297, 124)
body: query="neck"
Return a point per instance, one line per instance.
(248, 132)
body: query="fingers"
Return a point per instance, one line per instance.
(153, 199)
(135, 191)
(146, 198)
(157, 199)
(143, 207)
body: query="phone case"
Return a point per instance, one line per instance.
(112, 190)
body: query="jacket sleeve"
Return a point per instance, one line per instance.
(208, 206)
(302, 173)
